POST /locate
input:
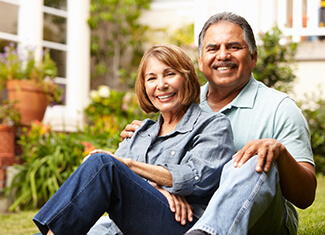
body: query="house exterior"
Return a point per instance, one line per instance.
(304, 20)
(25, 21)
(68, 37)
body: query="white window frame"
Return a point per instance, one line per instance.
(68, 117)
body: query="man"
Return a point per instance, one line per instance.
(273, 166)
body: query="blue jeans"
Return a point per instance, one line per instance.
(246, 202)
(103, 184)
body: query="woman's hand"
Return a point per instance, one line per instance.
(96, 151)
(178, 205)
(125, 161)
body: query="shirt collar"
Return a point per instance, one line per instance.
(245, 99)
(188, 120)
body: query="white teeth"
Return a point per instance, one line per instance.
(223, 68)
(165, 96)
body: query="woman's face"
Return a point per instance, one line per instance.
(164, 87)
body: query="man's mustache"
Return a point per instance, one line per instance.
(224, 64)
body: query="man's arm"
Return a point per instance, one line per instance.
(297, 179)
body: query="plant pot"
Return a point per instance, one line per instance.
(32, 99)
(7, 141)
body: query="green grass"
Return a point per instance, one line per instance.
(18, 223)
(312, 219)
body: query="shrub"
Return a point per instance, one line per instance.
(275, 60)
(315, 115)
(49, 158)
(108, 113)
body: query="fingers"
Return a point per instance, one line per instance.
(178, 205)
(183, 210)
(96, 151)
(85, 158)
(99, 151)
(167, 195)
(267, 151)
(130, 129)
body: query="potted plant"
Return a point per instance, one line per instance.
(28, 81)
(9, 116)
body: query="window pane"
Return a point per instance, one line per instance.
(63, 101)
(3, 44)
(8, 18)
(55, 28)
(59, 4)
(59, 58)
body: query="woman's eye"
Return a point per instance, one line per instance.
(150, 78)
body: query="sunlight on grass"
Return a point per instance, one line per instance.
(18, 223)
(311, 220)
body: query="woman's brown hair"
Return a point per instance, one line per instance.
(176, 58)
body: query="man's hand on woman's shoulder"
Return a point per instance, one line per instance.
(130, 129)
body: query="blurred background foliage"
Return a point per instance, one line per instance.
(117, 44)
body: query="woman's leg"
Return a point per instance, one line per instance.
(103, 184)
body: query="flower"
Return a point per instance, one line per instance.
(104, 91)
(94, 96)
(21, 64)
(88, 147)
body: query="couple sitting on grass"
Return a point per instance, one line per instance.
(190, 172)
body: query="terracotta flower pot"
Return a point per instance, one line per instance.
(7, 141)
(32, 99)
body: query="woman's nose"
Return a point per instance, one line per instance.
(162, 85)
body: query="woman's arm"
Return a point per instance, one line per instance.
(157, 174)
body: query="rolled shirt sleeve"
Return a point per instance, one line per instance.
(198, 172)
(194, 153)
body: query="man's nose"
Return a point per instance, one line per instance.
(223, 53)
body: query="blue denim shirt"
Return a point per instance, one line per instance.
(194, 153)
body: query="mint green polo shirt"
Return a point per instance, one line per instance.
(260, 112)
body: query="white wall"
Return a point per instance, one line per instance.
(261, 15)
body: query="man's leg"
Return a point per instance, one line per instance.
(243, 198)
(103, 184)
(105, 226)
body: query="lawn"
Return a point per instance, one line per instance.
(312, 220)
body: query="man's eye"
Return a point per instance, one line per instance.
(234, 48)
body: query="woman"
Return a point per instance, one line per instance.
(183, 154)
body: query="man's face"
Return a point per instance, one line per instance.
(226, 61)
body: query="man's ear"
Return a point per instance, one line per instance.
(254, 59)
(200, 64)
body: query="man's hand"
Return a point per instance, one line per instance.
(178, 205)
(130, 129)
(267, 150)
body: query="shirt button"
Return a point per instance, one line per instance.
(172, 153)
(196, 178)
